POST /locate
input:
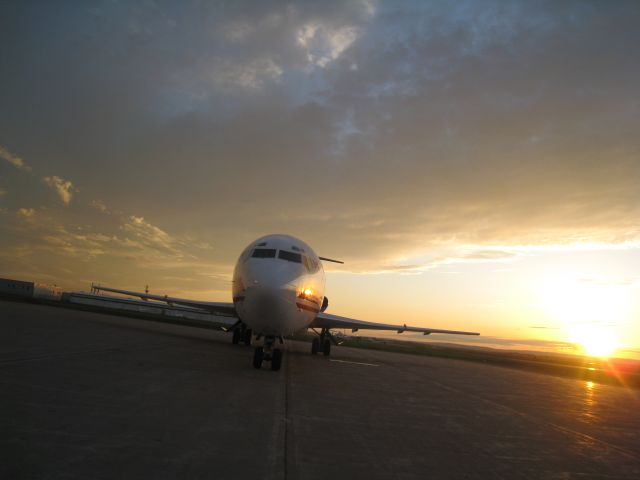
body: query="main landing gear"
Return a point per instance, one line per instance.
(241, 334)
(322, 343)
(268, 353)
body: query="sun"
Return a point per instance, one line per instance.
(595, 340)
(586, 310)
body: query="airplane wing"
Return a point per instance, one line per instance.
(217, 308)
(326, 320)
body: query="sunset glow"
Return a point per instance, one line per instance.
(596, 341)
(473, 168)
(590, 312)
(571, 299)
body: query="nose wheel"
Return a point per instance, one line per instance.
(269, 354)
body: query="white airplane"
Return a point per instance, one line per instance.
(278, 290)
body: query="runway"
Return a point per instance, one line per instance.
(87, 395)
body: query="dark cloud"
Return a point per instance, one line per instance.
(372, 130)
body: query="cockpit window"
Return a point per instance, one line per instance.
(310, 264)
(307, 264)
(290, 256)
(245, 255)
(264, 253)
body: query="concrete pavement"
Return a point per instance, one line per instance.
(88, 395)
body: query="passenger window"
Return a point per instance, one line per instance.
(264, 253)
(290, 256)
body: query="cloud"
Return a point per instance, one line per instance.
(55, 243)
(323, 45)
(100, 206)
(3, 192)
(141, 242)
(237, 31)
(14, 160)
(439, 254)
(64, 188)
(26, 212)
(150, 236)
(78, 244)
(486, 254)
(253, 74)
(490, 126)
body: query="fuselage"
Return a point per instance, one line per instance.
(278, 285)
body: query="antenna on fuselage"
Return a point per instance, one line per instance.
(330, 260)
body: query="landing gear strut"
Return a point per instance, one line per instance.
(322, 343)
(241, 334)
(247, 337)
(258, 356)
(268, 353)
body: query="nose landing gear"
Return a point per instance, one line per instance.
(268, 353)
(241, 334)
(258, 356)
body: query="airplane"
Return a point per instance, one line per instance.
(278, 290)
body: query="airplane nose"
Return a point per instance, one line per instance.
(265, 300)
(264, 280)
(267, 309)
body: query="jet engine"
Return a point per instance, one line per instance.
(325, 304)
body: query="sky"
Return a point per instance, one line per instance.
(476, 165)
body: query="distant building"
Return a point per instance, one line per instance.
(45, 291)
(16, 288)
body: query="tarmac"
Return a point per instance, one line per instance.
(90, 395)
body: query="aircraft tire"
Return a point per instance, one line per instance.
(326, 348)
(315, 346)
(247, 337)
(276, 359)
(258, 356)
